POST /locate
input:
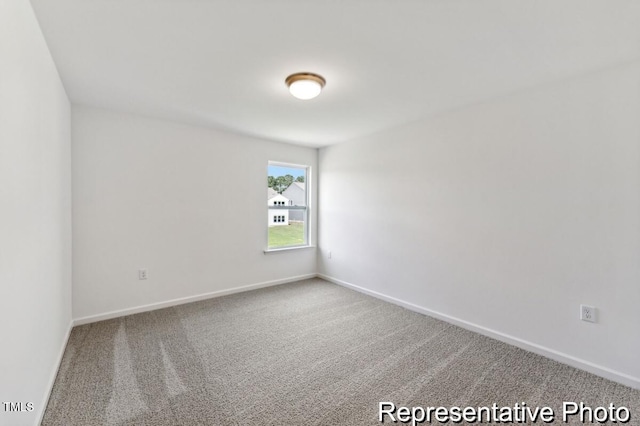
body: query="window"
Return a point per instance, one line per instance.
(287, 205)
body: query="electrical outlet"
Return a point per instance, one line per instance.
(143, 274)
(587, 313)
(329, 254)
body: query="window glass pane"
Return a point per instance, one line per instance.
(287, 187)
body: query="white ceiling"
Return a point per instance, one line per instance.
(222, 63)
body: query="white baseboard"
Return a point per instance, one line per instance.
(54, 373)
(183, 300)
(572, 361)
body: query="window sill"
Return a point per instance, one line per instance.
(277, 250)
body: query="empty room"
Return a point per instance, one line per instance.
(289, 212)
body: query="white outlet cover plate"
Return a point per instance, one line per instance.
(587, 313)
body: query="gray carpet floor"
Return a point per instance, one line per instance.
(306, 353)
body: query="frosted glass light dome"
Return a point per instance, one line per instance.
(305, 85)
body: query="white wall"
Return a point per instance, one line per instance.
(506, 215)
(35, 214)
(187, 203)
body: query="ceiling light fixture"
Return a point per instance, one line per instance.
(305, 85)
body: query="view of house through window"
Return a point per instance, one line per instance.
(287, 205)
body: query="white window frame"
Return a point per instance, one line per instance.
(306, 209)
